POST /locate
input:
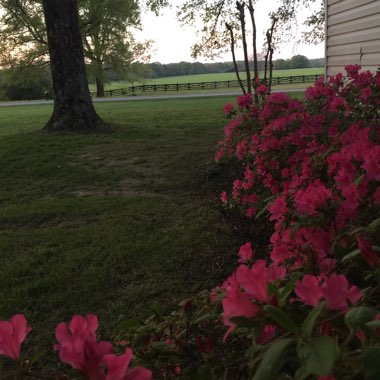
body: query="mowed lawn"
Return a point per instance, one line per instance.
(208, 78)
(109, 223)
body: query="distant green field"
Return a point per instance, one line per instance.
(207, 78)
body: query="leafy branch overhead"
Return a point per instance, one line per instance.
(106, 27)
(214, 38)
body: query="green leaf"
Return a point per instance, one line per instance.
(36, 357)
(281, 318)
(351, 255)
(272, 360)
(357, 317)
(273, 290)
(359, 180)
(372, 363)
(203, 318)
(157, 310)
(204, 372)
(374, 227)
(128, 324)
(289, 287)
(309, 323)
(373, 324)
(318, 356)
(244, 322)
(301, 374)
(294, 228)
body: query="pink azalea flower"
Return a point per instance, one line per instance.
(250, 212)
(236, 304)
(267, 334)
(352, 70)
(117, 368)
(261, 90)
(365, 94)
(245, 253)
(241, 149)
(372, 163)
(237, 185)
(313, 197)
(249, 199)
(276, 272)
(255, 280)
(77, 346)
(223, 197)
(347, 211)
(337, 292)
(328, 377)
(308, 290)
(248, 177)
(278, 209)
(367, 251)
(228, 108)
(244, 101)
(12, 334)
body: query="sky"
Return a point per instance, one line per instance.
(173, 41)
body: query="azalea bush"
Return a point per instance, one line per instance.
(310, 309)
(314, 168)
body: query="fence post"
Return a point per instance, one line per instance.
(110, 93)
(215, 84)
(188, 86)
(177, 87)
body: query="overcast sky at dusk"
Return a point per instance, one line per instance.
(173, 42)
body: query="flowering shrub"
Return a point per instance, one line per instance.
(77, 346)
(311, 309)
(314, 167)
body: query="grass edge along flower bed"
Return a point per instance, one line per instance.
(308, 311)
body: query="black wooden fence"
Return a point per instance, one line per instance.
(205, 85)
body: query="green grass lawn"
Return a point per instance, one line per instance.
(208, 78)
(109, 223)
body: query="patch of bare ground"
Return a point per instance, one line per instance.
(130, 175)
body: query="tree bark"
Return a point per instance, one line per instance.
(254, 44)
(100, 88)
(229, 28)
(73, 108)
(240, 8)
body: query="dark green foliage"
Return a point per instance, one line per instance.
(25, 82)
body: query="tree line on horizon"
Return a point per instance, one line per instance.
(140, 71)
(34, 82)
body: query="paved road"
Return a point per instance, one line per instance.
(133, 98)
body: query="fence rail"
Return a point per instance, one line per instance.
(205, 85)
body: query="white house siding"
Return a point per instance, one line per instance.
(352, 34)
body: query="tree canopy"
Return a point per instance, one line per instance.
(106, 28)
(214, 38)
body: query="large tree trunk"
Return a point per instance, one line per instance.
(73, 109)
(100, 88)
